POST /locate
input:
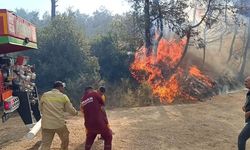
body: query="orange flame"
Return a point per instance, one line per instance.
(167, 90)
(155, 70)
(194, 71)
(151, 69)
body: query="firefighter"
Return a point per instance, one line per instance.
(96, 121)
(53, 104)
(102, 91)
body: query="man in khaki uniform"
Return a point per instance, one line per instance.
(53, 104)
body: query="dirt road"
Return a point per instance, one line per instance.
(210, 125)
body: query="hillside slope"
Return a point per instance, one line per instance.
(210, 125)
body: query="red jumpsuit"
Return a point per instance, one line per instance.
(95, 120)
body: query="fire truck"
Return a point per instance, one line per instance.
(18, 91)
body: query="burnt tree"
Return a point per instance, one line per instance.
(147, 28)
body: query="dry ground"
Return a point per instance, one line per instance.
(210, 125)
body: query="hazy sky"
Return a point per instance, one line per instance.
(85, 6)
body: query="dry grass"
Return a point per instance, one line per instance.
(210, 125)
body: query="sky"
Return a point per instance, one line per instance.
(85, 6)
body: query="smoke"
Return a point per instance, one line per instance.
(243, 6)
(216, 64)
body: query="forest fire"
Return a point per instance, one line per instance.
(159, 72)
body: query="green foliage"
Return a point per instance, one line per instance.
(97, 24)
(128, 93)
(126, 33)
(75, 87)
(33, 17)
(64, 55)
(114, 63)
(100, 22)
(172, 12)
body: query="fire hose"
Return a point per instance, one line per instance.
(32, 133)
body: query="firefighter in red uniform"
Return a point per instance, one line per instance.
(95, 120)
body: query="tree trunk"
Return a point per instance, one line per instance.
(53, 8)
(159, 27)
(172, 71)
(242, 69)
(188, 35)
(204, 46)
(243, 43)
(185, 50)
(147, 28)
(221, 39)
(225, 20)
(204, 55)
(244, 36)
(232, 44)
(195, 9)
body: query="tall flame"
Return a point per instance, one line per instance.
(157, 70)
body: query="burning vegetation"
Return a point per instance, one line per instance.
(167, 81)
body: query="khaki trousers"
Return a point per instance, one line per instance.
(48, 135)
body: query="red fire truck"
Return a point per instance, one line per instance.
(17, 87)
